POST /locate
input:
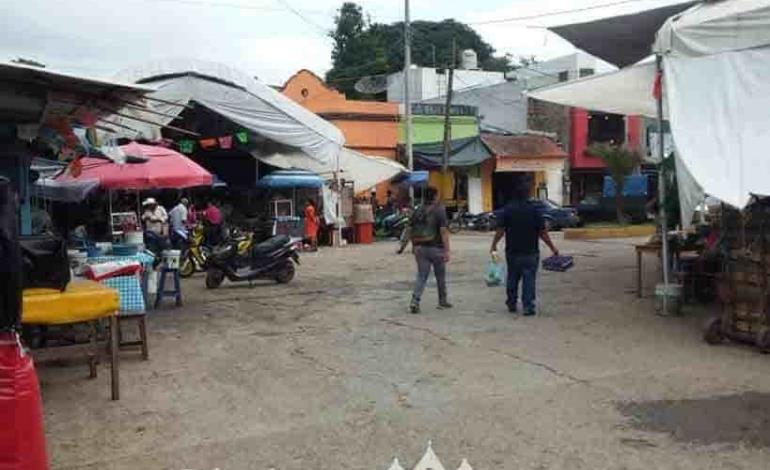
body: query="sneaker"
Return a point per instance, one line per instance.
(444, 305)
(529, 313)
(512, 309)
(414, 308)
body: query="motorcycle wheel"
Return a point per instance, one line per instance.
(187, 267)
(454, 226)
(214, 278)
(285, 274)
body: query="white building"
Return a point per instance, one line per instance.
(560, 69)
(428, 83)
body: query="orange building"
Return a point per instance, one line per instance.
(370, 127)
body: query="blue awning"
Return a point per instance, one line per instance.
(414, 178)
(287, 179)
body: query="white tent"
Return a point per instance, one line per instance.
(716, 61)
(260, 109)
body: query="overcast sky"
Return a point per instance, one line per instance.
(261, 37)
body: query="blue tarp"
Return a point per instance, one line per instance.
(286, 179)
(634, 186)
(414, 178)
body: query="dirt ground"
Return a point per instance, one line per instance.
(330, 371)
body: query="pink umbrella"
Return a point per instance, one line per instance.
(163, 169)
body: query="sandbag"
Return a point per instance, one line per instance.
(22, 439)
(44, 262)
(10, 267)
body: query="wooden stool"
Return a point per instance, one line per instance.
(162, 292)
(141, 321)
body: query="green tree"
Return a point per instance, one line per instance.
(621, 162)
(363, 48)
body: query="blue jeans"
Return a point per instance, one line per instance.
(522, 268)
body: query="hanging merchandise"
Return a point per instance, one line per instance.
(186, 146)
(208, 144)
(242, 136)
(226, 142)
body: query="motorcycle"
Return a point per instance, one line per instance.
(463, 220)
(392, 225)
(271, 259)
(196, 252)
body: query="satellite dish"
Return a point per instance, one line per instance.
(372, 84)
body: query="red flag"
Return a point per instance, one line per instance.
(657, 88)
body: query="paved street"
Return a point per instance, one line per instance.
(330, 372)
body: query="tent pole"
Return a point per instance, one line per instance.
(662, 184)
(339, 202)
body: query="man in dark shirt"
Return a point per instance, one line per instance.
(523, 227)
(430, 239)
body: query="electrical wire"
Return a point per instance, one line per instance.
(558, 12)
(307, 20)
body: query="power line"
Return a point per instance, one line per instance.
(307, 20)
(554, 13)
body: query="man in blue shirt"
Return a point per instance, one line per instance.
(523, 226)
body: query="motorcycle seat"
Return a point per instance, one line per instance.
(271, 244)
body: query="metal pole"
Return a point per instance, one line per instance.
(339, 202)
(662, 185)
(447, 114)
(407, 96)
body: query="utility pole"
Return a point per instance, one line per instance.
(447, 106)
(407, 97)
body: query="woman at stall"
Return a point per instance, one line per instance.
(312, 223)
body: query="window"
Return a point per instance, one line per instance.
(563, 76)
(586, 72)
(606, 128)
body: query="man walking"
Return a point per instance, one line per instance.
(523, 226)
(430, 241)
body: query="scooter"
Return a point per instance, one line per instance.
(196, 252)
(271, 259)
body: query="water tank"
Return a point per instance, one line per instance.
(469, 60)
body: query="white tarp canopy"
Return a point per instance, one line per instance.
(716, 63)
(364, 170)
(236, 96)
(626, 91)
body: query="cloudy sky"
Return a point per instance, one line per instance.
(267, 38)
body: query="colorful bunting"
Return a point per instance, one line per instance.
(226, 142)
(186, 146)
(208, 144)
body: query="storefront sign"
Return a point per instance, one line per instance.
(527, 164)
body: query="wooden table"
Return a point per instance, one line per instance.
(81, 302)
(655, 248)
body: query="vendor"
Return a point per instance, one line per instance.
(154, 217)
(178, 220)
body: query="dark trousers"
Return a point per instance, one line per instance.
(522, 269)
(428, 257)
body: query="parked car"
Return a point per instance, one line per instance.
(591, 209)
(556, 217)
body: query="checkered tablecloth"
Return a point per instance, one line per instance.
(130, 288)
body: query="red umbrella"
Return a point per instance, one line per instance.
(163, 169)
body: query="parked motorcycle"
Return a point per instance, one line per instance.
(195, 253)
(392, 225)
(462, 220)
(271, 259)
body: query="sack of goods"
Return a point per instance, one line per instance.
(494, 274)
(558, 263)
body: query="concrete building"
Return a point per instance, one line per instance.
(502, 107)
(370, 127)
(427, 83)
